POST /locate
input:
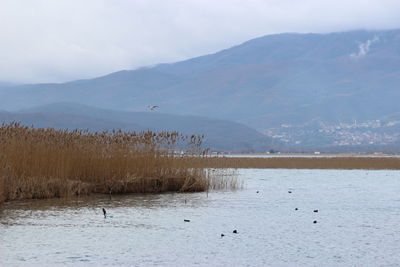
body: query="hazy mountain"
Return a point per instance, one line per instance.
(220, 134)
(64, 121)
(301, 80)
(6, 84)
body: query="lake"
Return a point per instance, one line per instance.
(357, 224)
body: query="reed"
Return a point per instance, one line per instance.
(368, 163)
(45, 163)
(2, 190)
(223, 178)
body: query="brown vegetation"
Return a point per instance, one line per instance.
(372, 163)
(2, 190)
(45, 163)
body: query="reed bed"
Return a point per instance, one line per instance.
(226, 178)
(45, 163)
(2, 190)
(369, 163)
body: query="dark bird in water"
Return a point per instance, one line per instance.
(235, 231)
(315, 210)
(185, 220)
(222, 235)
(258, 192)
(296, 209)
(289, 192)
(105, 213)
(314, 221)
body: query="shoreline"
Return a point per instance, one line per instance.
(336, 162)
(310, 154)
(290, 162)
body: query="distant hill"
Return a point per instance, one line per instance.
(6, 84)
(304, 81)
(64, 121)
(220, 135)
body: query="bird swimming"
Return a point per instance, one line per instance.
(235, 231)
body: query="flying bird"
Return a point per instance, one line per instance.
(153, 107)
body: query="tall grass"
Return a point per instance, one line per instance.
(44, 163)
(2, 189)
(370, 163)
(225, 178)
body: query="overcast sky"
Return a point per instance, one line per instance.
(61, 40)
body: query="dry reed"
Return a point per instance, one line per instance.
(45, 163)
(2, 189)
(371, 163)
(224, 178)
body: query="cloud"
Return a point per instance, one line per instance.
(60, 40)
(363, 48)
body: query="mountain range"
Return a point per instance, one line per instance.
(220, 135)
(291, 86)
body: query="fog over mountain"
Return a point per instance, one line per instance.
(64, 40)
(291, 86)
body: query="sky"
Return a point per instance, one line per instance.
(64, 40)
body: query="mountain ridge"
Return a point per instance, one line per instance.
(220, 135)
(283, 79)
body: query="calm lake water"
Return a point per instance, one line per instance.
(358, 224)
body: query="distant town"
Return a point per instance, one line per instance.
(371, 132)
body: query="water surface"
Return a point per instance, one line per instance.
(357, 224)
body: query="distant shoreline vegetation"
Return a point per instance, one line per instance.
(47, 163)
(299, 162)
